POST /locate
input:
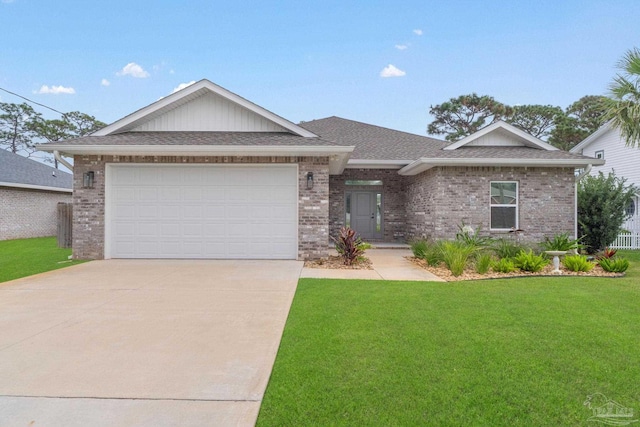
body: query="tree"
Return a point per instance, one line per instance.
(601, 209)
(17, 127)
(624, 109)
(536, 120)
(581, 119)
(72, 125)
(465, 115)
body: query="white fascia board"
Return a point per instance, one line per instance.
(532, 140)
(189, 90)
(422, 165)
(588, 140)
(199, 150)
(35, 187)
(377, 164)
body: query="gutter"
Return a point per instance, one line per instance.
(59, 158)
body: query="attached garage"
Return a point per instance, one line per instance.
(207, 211)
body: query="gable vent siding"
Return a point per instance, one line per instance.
(209, 113)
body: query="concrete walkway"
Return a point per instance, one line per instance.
(388, 264)
(142, 342)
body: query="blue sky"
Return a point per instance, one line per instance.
(306, 60)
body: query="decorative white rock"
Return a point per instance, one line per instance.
(556, 260)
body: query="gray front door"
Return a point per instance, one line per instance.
(365, 213)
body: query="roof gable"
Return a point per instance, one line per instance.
(203, 106)
(501, 134)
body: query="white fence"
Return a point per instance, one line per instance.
(630, 238)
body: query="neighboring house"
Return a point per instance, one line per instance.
(204, 173)
(29, 195)
(607, 144)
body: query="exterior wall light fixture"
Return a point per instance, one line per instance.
(87, 179)
(309, 180)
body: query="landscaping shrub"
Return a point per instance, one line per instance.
(601, 209)
(614, 265)
(607, 253)
(349, 245)
(483, 262)
(561, 242)
(419, 248)
(468, 236)
(504, 265)
(577, 263)
(504, 248)
(456, 255)
(528, 261)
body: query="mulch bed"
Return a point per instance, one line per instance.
(444, 273)
(337, 262)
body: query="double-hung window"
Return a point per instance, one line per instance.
(504, 205)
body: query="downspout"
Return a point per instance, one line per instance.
(575, 195)
(59, 158)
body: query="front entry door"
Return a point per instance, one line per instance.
(366, 213)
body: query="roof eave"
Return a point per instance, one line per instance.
(338, 155)
(377, 164)
(35, 187)
(424, 164)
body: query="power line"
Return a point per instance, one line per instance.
(34, 102)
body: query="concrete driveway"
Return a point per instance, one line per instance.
(132, 342)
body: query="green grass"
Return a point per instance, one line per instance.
(522, 352)
(24, 257)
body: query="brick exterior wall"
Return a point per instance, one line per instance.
(393, 200)
(440, 199)
(89, 204)
(26, 213)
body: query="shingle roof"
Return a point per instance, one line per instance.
(378, 143)
(20, 170)
(375, 142)
(198, 138)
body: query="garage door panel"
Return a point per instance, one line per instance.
(195, 211)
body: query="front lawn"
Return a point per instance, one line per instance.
(24, 257)
(495, 352)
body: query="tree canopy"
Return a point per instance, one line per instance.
(21, 128)
(624, 109)
(462, 116)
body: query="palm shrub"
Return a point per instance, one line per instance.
(561, 242)
(577, 263)
(455, 255)
(614, 264)
(349, 245)
(602, 200)
(528, 261)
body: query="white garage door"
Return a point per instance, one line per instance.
(202, 211)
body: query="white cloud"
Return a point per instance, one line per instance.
(417, 32)
(391, 71)
(55, 90)
(402, 46)
(105, 82)
(182, 86)
(7, 1)
(171, 71)
(134, 70)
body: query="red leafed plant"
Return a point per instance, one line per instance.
(349, 245)
(607, 253)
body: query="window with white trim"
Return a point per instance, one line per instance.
(504, 205)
